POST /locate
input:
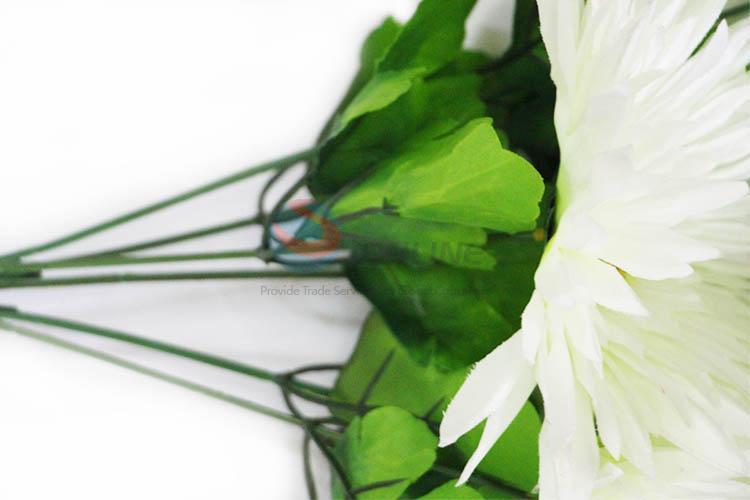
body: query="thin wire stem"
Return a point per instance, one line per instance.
(377, 486)
(312, 491)
(312, 432)
(209, 359)
(176, 238)
(143, 370)
(174, 200)
(735, 11)
(373, 382)
(277, 208)
(122, 260)
(478, 479)
(286, 382)
(264, 192)
(16, 282)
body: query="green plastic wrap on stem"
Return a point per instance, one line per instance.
(168, 202)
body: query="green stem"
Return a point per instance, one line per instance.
(479, 480)
(735, 11)
(312, 491)
(143, 370)
(177, 238)
(286, 382)
(209, 359)
(174, 200)
(13, 282)
(277, 208)
(122, 260)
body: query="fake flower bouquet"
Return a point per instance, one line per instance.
(555, 242)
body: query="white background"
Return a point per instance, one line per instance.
(106, 106)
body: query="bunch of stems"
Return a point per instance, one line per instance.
(325, 432)
(18, 271)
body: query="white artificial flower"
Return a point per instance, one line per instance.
(677, 475)
(638, 331)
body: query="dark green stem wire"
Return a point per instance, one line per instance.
(219, 362)
(174, 238)
(174, 200)
(736, 11)
(125, 260)
(288, 382)
(23, 282)
(150, 372)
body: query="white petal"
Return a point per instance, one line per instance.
(560, 21)
(499, 384)
(493, 429)
(532, 326)
(568, 472)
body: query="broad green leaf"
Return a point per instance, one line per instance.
(405, 383)
(432, 37)
(429, 109)
(466, 62)
(395, 57)
(386, 444)
(394, 61)
(382, 237)
(383, 89)
(493, 493)
(451, 317)
(525, 26)
(509, 286)
(421, 389)
(448, 491)
(521, 96)
(464, 178)
(435, 312)
(459, 246)
(375, 48)
(512, 456)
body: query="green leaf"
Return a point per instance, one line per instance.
(383, 89)
(435, 312)
(432, 37)
(394, 58)
(512, 458)
(521, 97)
(375, 48)
(525, 25)
(386, 444)
(385, 237)
(429, 109)
(451, 317)
(453, 244)
(509, 286)
(448, 491)
(466, 62)
(421, 389)
(465, 178)
(405, 383)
